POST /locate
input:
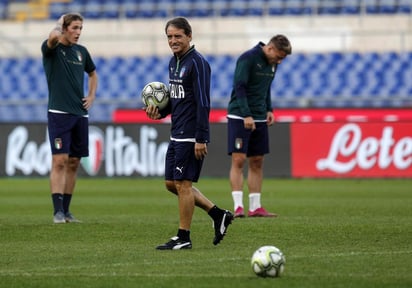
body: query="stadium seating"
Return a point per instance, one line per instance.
(240, 8)
(3, 9)
(205, 8)
(318, 79)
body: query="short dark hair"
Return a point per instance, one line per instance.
(180, 23)
(70, 17)
(282, 43)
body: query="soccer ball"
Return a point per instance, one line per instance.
(157, 94)
(268, 261)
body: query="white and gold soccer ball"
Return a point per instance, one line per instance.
(268, 261)
(157, 94)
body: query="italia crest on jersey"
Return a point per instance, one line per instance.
(182, 72)
(79, 56)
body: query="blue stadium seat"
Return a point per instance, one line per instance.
(57, 9)
(111, 9)
(3, 9)
(294, 7)
(330, 7)
(164, 8)
(219, 7)
(257, 8)
(183, 8)
(7, 114)
(146, 9)
(93, 9)
(310, 7)
(388, 6)
(128, 9)
(202, 8)
(237, 8)
(371, 6)
(222, 78)
(404, 6)
(75, 6)
(276, 7)
(350, 7)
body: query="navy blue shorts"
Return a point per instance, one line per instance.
(68, 134)
(181, 163)
(242, 140)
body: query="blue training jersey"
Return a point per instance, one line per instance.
(189, 80)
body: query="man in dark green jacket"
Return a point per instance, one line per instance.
(249, 115)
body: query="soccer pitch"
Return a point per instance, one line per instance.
(334, 233)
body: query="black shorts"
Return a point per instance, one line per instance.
(181, 163)
(68, 134)
(242, 140)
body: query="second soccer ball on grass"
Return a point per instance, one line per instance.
(268, 261)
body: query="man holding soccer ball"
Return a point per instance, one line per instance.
(65, 63)
(189, 106)
(249, 115)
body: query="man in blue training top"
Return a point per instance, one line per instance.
(189, 106)
(249, 115)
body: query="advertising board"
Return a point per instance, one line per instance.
(323, 143)
(123, 150)
(351, 149)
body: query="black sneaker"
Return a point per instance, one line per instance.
(175, 244)
(221, 226)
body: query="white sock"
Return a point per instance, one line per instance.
(237, 198)
(254, 201)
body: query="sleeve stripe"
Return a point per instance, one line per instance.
(202, 73)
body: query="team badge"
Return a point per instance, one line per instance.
(79, 56)
(182, 72)
(58, 143)
(238, 143)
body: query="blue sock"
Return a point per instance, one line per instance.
(66, 202)
(57, 202)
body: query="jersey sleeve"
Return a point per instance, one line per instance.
(46, 51)
(89, 64)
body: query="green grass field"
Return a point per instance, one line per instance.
(334, 233)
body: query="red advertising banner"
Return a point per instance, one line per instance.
(351, 149)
